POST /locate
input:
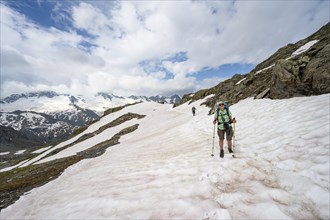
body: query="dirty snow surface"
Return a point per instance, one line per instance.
(164, 169)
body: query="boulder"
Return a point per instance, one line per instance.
(262, 94)
(317, 73)
(285, 79)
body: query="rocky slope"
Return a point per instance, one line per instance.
(40, 127)
(10, 139)
(300, 69)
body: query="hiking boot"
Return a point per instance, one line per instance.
(221, 153)
(230, 150)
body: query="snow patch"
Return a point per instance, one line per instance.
(239, 82)
(164, 170)
(271, 66)
(20, 152)
(41, 150)
(4, 153)
(304, 48)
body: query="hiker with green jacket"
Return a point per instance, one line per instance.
(223, 117)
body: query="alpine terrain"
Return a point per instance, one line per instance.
(147, 160)
(164, 168)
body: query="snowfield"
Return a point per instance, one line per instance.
(164, 169)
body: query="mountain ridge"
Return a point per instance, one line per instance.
(284, 74)
(50, 94)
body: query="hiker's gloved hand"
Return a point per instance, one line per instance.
(214, 121)
(234, 120)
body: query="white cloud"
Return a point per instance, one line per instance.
(12, 87)
(180, 69)
(87, 17)
(125, 34)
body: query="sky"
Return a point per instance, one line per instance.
(144, 47)
(280, 172)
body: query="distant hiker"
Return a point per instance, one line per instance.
(193, 110)
(223, 117)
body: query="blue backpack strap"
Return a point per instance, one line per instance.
(218, 111)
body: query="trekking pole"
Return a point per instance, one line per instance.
(213, 141)
(234, 135)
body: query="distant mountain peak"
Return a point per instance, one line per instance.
(14, 97)
(109, 95)
(73, 99)
(158, 98)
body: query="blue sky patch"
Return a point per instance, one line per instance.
(44, 13)
(178, 57)
(224, 71)
(154, 66)
(87, 46)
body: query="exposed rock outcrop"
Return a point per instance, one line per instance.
(318, 71)
(308, 75)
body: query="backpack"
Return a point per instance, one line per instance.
(216, 108)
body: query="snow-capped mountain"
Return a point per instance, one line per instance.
(48, 101)
(161, 99)
(48, 116)
(14, 97)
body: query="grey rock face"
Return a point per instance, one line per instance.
(304, 76)
(317, 72)
(285, 79)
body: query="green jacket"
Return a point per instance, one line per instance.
(218, 115)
